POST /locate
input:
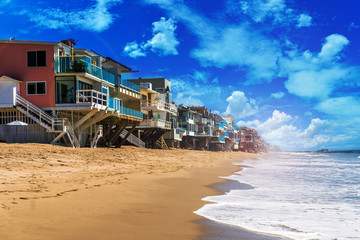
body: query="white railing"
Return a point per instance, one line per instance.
(153, 104)
(156, 123)
(132, 139)
(171, 107)
(45, 120)
(91, 96)
(30, 108)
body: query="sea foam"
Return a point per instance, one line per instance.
(300, 196)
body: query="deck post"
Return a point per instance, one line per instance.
(95, 119)
(122, 125)
(83, 119)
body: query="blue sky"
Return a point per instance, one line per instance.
(288, 68)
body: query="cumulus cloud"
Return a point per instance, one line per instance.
(278, 95)
(96, 18)
(304, 20)
(163, 42)
(239, 106)
(164, 39)
(333, 45)
(279, 129)
(133, 50)
(318, 75)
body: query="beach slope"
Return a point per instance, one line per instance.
(53, 192)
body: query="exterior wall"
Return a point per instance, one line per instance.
(14, 64)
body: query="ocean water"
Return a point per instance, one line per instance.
(294, 195)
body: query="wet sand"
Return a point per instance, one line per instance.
(53, 192)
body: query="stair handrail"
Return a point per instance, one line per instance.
(29, 106)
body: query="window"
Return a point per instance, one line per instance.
(36, 59)
(36, 88)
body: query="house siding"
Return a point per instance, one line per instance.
(14, 64)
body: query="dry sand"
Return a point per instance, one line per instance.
(52, 192)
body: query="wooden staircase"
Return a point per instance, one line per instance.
(161, 143)
(132, 139)
(54, 125)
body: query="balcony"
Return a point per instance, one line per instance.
(124, 110)
(160, 105)
(126, 84)
(92, 97)
(219, 126)
(146, 104)
(158, 123)
(171, 107)
(82, 64)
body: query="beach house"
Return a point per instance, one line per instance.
(231, 134)
(158, 109)
(205, 125)
(64, 94)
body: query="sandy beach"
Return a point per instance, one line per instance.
(53, 192)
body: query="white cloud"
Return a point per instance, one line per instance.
(318, 75)
(259, 10)
(304, 20)
(96, 18)
(334, 44)
(239, 106)
(133, 50)
(201, 76)
(341, 107)
(278, 95)
(163, 42)
(238, 46)
(279, 130)
(191, 93)
(317, 83)
(227, 45)
(188, 100)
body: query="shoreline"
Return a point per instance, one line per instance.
(148, 194)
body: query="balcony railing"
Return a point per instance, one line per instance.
(219, 125)
(153, 104)
(91, 96)
(156, 123)
(124, 110)
(130, 85)
(82, 64)
(171, 107)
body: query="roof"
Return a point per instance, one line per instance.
(124, 66)
(6, 78)
(28, 42)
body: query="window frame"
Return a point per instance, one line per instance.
(27, 88)
(36, 58)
